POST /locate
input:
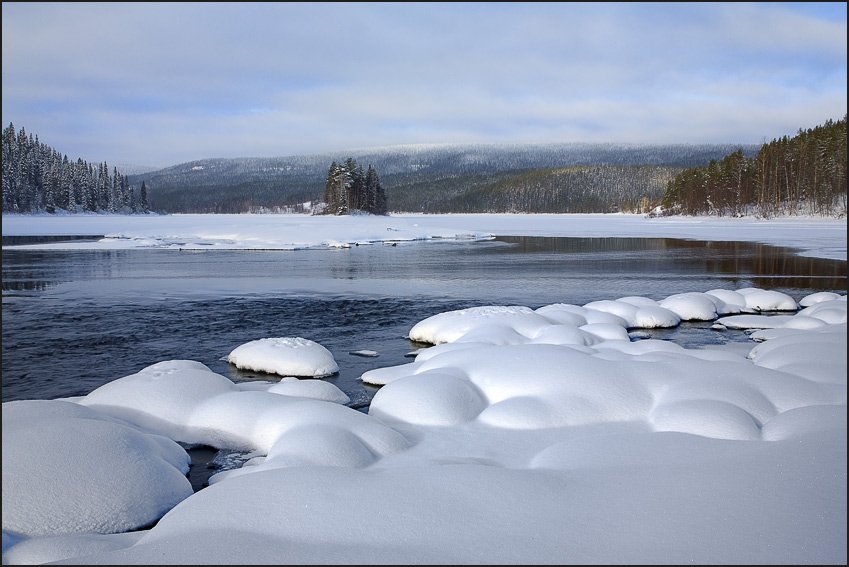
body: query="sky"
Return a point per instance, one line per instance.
(555, 435)
(157, 84)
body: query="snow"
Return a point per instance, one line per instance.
(294, 356)
(231, 232)
(515, 436)
(309, 388)
(364, 352)
(77, 470)
(820, 237)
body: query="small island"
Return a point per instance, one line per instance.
(349, 190)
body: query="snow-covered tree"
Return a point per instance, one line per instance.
(38, 178)
(348, 189)
(375, 196)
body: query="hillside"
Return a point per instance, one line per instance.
(434, 178)
(803, 174)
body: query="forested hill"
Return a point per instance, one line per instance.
(805, 174)
(484, 178)
(38, 178)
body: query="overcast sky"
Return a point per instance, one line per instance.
(164, 83)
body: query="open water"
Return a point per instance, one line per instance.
(75, 320)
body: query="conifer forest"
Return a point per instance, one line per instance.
(800, 175)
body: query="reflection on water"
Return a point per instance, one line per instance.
(511, 268)
(25, 285)
(595, 245)
(20, 240)
(74, 320)
(41, 270)
(763, 265)
(744, 263)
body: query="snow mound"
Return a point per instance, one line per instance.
(287, 356)
(310, 388)
(118, 479)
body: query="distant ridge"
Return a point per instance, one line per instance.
(417, 177)
(135, 169)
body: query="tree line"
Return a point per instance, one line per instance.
(235, 185)
(576, 189)
(805, 174)
(434, 178)
(37, 178)
(348, 189)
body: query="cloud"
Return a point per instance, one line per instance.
(163, 83)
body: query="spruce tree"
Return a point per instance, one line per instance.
(376, 197)
(357, 192)
(342, 182)
(143, 203)
(331, 197)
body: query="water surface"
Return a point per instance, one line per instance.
(74, 320)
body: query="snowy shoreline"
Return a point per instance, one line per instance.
(818, 237)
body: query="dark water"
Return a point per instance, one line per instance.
(73, 321)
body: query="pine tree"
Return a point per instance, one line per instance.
(37, 177)
(11, 170)
(126, 193)
(357, 193)
(114, 193)
(347, 188)
(90, 194)
(374, 191)
(66, 188)
(143, 202)
(331, 196)
(806, 173)
(342, 182)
